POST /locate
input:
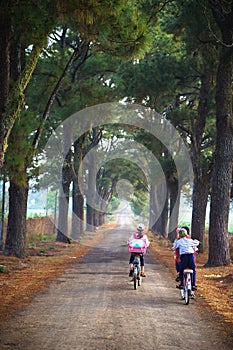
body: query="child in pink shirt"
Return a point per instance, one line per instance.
(139, 235)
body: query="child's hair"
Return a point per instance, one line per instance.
(187, 229)
(183, 232)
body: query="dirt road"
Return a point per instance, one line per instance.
(93, 306)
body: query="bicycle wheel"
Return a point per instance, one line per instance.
(186, 295)
(182, 294)
(140, 281)
(135, 281)
(186, 291)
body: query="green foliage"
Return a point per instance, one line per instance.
(151, 80)
(32, 239)
(109, 27)
(139, 205)
(51, 199)
(38, 20)
(3, 269)
(113, 204)
(123, 179)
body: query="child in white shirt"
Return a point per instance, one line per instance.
(186, 248)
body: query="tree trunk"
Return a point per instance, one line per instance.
(158, 214)
(152, 217)
(64, 193)
(5, 29)
(78, 212)
(16, 100)
(200, 198)
(201, 168)
(18, 191)
(103, 214)
(161, 224)
(95, 135)
(97, 218)
(103, 198)
(90, 193)
(16, 228)
(223, 157)
(175, 193)
(2, 210)
(77, 196)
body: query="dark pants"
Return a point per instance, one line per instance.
(177, 267)
(187, 261)
(142, 259)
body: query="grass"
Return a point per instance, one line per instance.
(32, 238)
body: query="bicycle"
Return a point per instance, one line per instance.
(186, 293)
(136, 247)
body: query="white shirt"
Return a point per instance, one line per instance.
(186, 245)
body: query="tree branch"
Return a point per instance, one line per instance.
(51, 100)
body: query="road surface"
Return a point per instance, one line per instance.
(93, 306)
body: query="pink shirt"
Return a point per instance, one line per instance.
(136, 235)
